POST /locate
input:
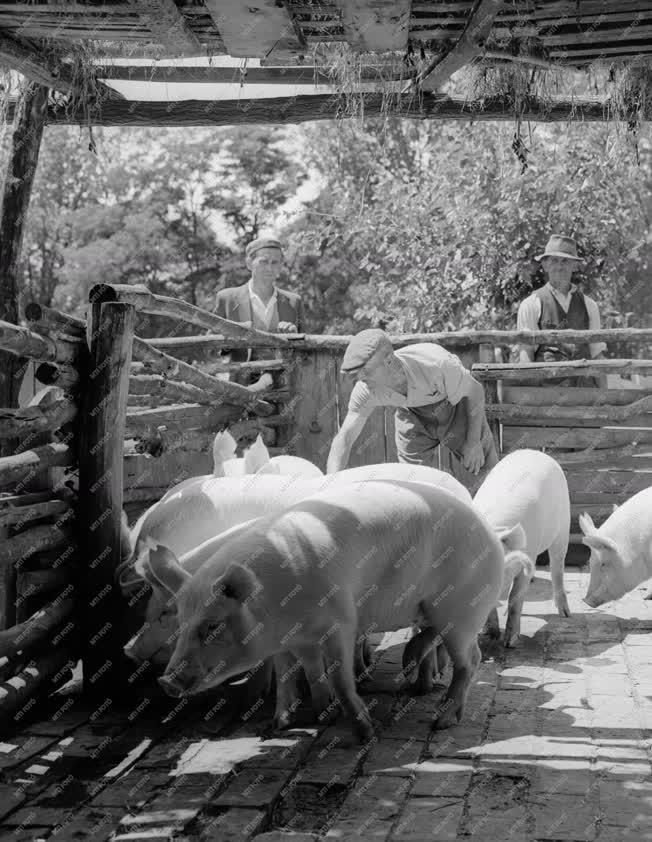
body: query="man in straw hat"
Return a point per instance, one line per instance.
(559, 305)
(437, 402)
(260, 303)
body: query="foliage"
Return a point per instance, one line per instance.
(435, 225)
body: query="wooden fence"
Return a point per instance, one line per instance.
(133, 417)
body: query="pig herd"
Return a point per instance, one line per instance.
(268, 565)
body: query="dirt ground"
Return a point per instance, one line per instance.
(554, 745)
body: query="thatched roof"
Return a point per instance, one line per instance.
(420, 43)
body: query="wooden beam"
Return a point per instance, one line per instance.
(223, 391)
(559, 370)
(268, 75)
(253, 28)
(33, 65)
(290, 109)
(168, 25)
(468, 47)
(100, 493)
(375, 24)
(22, 342)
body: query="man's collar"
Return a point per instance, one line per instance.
(253, 292)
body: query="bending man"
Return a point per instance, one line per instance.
(437, 402)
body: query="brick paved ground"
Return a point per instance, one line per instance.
(555, 745)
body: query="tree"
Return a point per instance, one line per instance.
(431, 226)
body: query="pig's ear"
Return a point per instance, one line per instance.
(237, 583)
(165, 567)
(256, 456)
(513, 538)
(224, 447)
(592, 537)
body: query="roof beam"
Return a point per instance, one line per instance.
(289, 109)
(469, 46)
(28, 61)
(375, 24)
(168, 26)
(253, 28)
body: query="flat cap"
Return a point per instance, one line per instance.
(362, 348)
(262, 243)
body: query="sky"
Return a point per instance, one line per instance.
(173, 91)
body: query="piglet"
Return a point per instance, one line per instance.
(529, 488)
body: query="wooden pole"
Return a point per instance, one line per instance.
(101, 480)
(29, 120)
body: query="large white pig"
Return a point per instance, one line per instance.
(621, 549)
(529, 488)
(200, 510)
(357, 556)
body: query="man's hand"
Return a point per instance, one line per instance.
(286, 327)
(473, 457)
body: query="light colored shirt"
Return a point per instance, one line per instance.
(529, 313)
(433, 375)
(263, 314)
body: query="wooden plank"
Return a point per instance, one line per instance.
(18, 515)
(597, 498)
(142, 472)
(252, 30)
(618, 458)
(609, 481)
(168, 25)
(313, 417)
(186, 416)
(375, 25)
(570, 395)
(555, 437)
(588, 417)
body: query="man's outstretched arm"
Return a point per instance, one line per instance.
(338, 457)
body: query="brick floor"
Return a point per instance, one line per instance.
(554, 745)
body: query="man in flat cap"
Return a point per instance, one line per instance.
(559, 305)
(437, 402)
(260, 303)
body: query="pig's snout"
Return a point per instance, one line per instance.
(172, 685)
(592, 601)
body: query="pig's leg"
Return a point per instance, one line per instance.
(466, 658)
(288, 697)
(312, 659)
(514, 608)
(557, 554)
(426, 652)
(492, 626)
(339, 650)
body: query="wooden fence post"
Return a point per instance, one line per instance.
(486, 355)
(100, 481)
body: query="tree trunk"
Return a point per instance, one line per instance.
(29, 121)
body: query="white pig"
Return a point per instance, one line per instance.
(356, 556)
(621, 549)
(529, 488)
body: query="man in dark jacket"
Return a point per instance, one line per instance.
(260, 303)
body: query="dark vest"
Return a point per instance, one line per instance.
(553, 318)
